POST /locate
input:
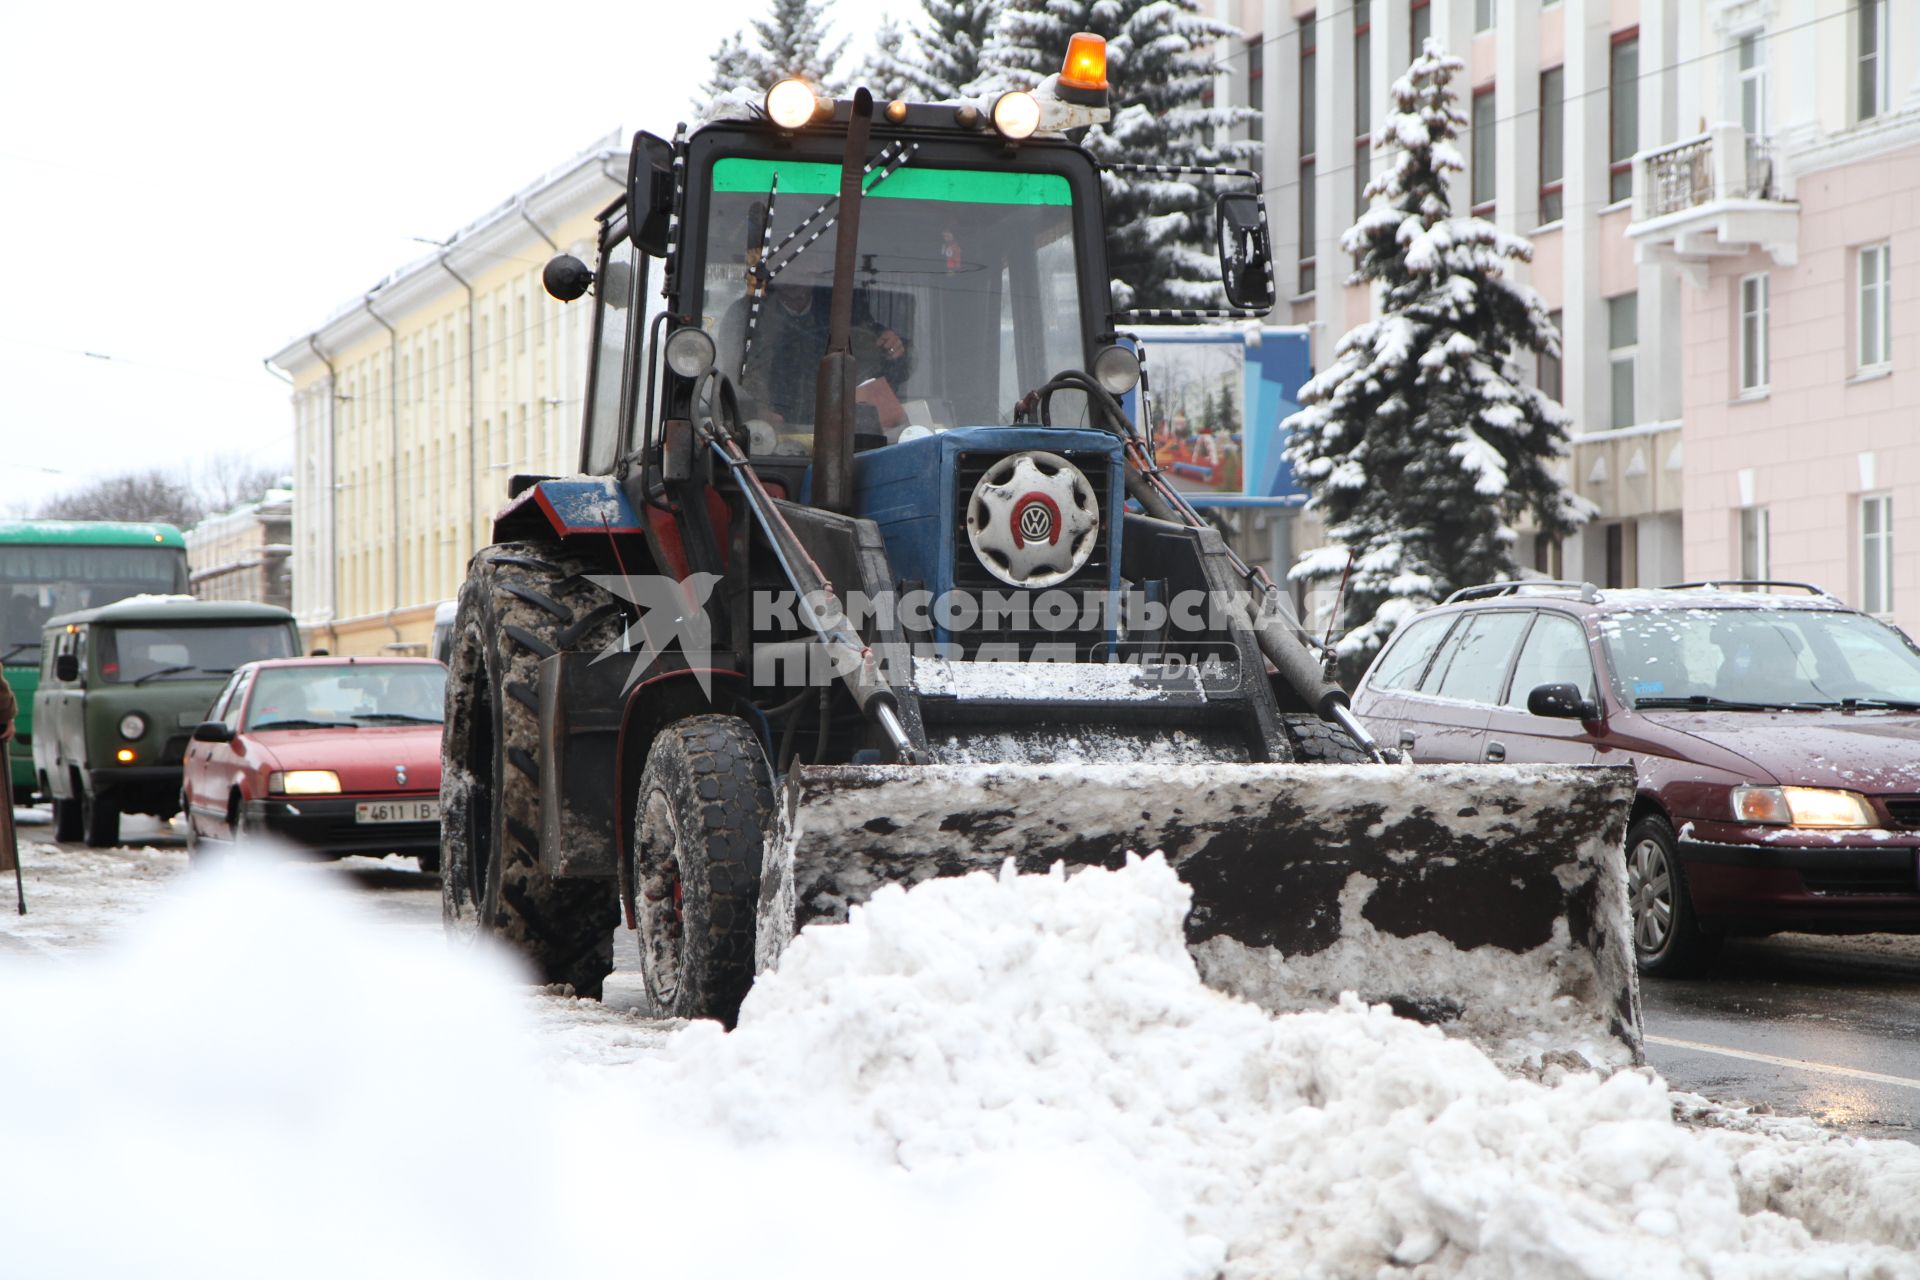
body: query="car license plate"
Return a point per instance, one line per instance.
(397, 811)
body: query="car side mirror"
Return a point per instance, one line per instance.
(650, 193)
(213, 731)
(1246, 252)
(1561, 702)
(66, 666)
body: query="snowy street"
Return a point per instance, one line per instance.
(1030, 1053)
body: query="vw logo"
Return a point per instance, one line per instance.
(399, 775)
(1036, 518)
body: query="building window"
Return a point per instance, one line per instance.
(1870, 63)
(1753, 333)
(1876, 553)
(1756, 555)
(1309, 236)
(1753, 87)
(1483, 168)
(1483, 15)
(1876, 307)
(1552, 143)
(1362, 101)
(1550, 365)
(1420, 20)
(1256, 91)
(1623, 114)
(1623, 343)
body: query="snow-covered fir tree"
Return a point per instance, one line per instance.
(792, 40)
(952, 39)
(1420, 445)
(1160, 64)
(889, 68)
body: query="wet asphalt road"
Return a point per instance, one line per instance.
(1826, 1028)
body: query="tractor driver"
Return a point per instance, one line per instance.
(789, 338)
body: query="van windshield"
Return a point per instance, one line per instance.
(966, 294)
(142, 654)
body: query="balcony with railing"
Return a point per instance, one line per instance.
(1715, 196)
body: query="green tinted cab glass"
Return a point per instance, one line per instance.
(966, 294)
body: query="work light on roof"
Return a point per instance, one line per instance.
(1016, 115)
(791, 104)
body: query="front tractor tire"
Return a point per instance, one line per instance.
(700, 823)
(522, 602)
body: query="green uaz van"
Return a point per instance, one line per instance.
(121, 689)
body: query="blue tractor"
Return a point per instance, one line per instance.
(870, 576)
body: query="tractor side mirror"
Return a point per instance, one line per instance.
(1246, 254)
(1561, 702)
(566, 277)
(66, 667)
(650, 193)
(213, 731)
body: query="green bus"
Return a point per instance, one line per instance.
(57, 566)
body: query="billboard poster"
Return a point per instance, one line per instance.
(1218, 397)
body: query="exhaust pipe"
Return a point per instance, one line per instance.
(833, 396)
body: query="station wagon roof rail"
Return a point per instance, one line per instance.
(1721, 584)
(1543, 586)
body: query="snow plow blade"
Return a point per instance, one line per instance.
(1488, 900)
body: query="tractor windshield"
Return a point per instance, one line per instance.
(966, 294)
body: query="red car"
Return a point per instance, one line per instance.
(340, 755)
(1776, 738)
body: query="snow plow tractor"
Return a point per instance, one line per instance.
(870, 576)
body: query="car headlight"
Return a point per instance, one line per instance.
(1802, 807)
(305, 782)
(133, 725)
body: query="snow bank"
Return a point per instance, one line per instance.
(988, 1076)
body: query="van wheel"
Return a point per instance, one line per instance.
(66, 819)
(522, 601)
(1667, 939)
(700, 822)
(99, 818)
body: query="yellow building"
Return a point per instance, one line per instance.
(414, 404)
(242, 554)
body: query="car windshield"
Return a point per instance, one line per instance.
(1758, 656)
(966, 294)
(143, 654)
(38, 581)
(348, 696)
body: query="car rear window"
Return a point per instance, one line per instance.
(1405, 660)
(1473, 665)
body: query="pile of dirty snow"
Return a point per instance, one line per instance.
(1003, 1076)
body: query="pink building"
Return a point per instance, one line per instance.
(1724, 202)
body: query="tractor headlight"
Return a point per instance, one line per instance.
(305, 782)
(689, 352)
(1117, 369)
(791, 104)
(133, 725)
(1016, 115)
(1802, 807)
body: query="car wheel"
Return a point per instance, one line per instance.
(705, 803)
(521, 603)
(67, 827)
(1667, 939)
(99, 818)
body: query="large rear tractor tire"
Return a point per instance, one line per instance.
(1317, 741)
(521, 602)
(1668, 941)
(700, 822)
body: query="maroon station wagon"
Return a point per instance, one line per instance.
(1776, 738)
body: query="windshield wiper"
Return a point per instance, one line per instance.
(1724, 704)
(306, 724)
(1870, 704)
(401, 717)
(163, 671)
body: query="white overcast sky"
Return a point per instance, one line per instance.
(184, 187)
